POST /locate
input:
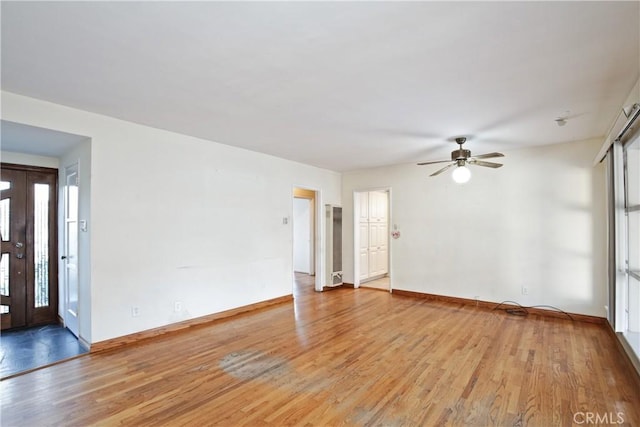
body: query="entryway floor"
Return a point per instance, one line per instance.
(26, 349)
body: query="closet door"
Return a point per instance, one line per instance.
(382, 262)
(377, 206)
(377, 249)
(364, 250)
(378, 233)
(363, 223)
(363, 214)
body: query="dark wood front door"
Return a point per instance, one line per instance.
(28, 263)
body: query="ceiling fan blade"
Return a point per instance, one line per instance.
(431, 163)
(486, 164)
(488, 155)
(438, 172)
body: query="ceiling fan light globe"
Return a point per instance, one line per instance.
(461, 174)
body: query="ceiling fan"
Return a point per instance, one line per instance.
(461, 158)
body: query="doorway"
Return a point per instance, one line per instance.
(303, 236)
(28, 263)
(305, 225)
(371, 239)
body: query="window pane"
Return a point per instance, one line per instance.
(4, 275)
(72, 276)
(5, 212)
(633, 173)
(634, 304)
(41, 244)
(634, 241)
(72, 199)
(4, 280)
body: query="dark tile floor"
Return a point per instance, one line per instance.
(26, 349)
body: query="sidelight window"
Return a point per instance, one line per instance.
(41, 244)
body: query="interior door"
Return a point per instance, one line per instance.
(70, 258)
(376, 234)
(28, 278)
(302, 235)
(364, 250)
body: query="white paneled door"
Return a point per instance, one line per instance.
(70, 256)
(364, 250)
(378, 248)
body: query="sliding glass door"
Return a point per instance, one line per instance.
(631, 154)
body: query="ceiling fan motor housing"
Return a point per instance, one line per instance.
(460, 154)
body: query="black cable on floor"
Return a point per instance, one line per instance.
(522, 310)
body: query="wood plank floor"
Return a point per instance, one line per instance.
(342, 357)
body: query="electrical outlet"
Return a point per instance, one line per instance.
(525, 290)
(177, 306)
(135, 311)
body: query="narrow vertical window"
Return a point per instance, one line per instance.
(5, 212)
(4, 280)
(41, 244)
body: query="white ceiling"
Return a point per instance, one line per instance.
(340, 85)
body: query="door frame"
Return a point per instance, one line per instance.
(356, 233)
(317, 244)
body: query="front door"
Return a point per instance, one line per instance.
(28, 267)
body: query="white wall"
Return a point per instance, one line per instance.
(538, 222)
(29, 159)
(176, 218)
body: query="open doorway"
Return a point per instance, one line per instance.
(305, 224)
(33, 334)
(25, 347)
(371, 239)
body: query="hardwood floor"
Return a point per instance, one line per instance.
(381, 284)
(342, 357)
